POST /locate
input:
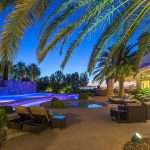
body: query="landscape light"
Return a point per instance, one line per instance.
(136, 137)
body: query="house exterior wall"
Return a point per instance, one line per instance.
(143, 78)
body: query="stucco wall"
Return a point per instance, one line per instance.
(16, 87)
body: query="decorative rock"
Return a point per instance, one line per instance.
(143, 144)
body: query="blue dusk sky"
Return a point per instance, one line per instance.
(78, 61)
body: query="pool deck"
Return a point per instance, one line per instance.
(87, 129)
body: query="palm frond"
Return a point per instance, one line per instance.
(89, 14)
(143, 48)
(47, 33)
(112, 29)
(6, 3)
(58, 10)
(23, 15)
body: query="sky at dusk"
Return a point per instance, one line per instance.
(78, 61)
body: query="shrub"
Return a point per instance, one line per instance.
(91, 94)
(49, 89)
(56, 103)
(83, 96)
(3, 134)
(41, 86)
(3, 119)
(3, 123)
(54, 99)
(7, 109)
(142, 94)
(66, 89)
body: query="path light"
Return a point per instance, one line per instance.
(136, 137)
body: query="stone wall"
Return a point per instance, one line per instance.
(17, 87)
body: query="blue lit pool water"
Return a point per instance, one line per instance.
(33, 99)
(9, 98)
(83, 104)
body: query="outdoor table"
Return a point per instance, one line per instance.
(120, 115)
(59, 121)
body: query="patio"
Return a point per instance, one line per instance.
(86, 129)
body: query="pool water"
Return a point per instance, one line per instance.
(33, 99)
(83, 105)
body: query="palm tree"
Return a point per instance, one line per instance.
(122, 65)
(109, 75)
(20, 70)
(44, 79)
(33, 72)
(5, 69)
(107, 16)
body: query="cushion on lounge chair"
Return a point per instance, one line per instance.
(134, 104)
(127, 97)
(22, 110)
(40, 110)
(40, 121)
(130, 97)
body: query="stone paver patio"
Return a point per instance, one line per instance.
(87, 129)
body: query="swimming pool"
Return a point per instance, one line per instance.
(83, 104)
(33, 99)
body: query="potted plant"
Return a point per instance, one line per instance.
(3, 124)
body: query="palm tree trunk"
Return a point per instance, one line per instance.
(32, 78)
(110, 87)
(5, 71)
(121, 86)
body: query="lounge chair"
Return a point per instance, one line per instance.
(39, 122)
(134, 112)
(122, 100)
(24, 115)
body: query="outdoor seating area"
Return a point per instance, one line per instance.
(132, 112)
(80, 125)
(35, 119)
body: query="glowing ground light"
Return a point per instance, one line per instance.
(136, 137)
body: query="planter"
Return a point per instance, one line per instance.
(3, 134)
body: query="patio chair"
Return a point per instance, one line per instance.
(136, 112)
(147, 104)
(39, 122)
(24, 115)
(133, 112)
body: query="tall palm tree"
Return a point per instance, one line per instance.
(109, 75)
(107, 16)
(5, 69)
(122, 65)
(33, 72)
(20, 70)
